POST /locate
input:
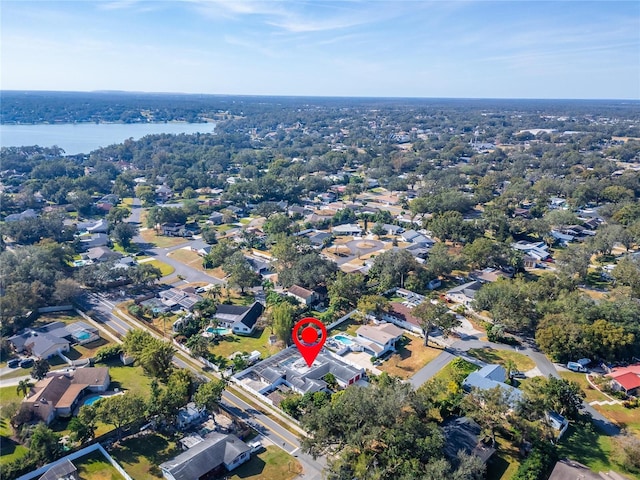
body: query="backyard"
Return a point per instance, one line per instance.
(270, 463)
(149, 235)
(259, 340)
(141, 456)
(95, 466)
(9, 450)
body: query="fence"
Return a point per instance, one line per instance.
(57, 308)
(341, 319)
(73, 456)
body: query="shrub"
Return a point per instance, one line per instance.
(539, 463)
(107, 353)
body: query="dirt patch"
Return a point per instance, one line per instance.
(365, 245)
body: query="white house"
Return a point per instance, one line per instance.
(347, 229)
(464, 293)
(190, 414)
(302, 295)
(378, 339)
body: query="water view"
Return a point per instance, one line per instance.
(86, 137)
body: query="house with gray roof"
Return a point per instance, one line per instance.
(464, 293)
(63, 470)
(39, 344)
(215, 454)
(288, 369)
(240, 319)
(492, 376)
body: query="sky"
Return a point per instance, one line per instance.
(365, 48)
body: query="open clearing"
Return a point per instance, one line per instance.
(411, 356)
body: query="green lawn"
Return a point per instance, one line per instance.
(504, 464)
(348, 326)
(9, 450)
(130, 378)
(259, 341)
(464, 369)
(581, 379)
(271, 463)
(491, 355)
(141, 456)
(584, 443)
(165, 268)
(96, 467)
(17, 372)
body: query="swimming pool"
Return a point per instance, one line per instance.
(92, 400)
(83, 335)
(218, 331)
(343, 339)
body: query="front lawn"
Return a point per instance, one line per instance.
(501, 357)
(581, 379)
(149, 236)
(586, 444)
(165, 268)
(140, 457)
(504, 464)
(95, 466)
(626, 418)
(410, 357)
(269, 464)
(189, 258)
(232, 343)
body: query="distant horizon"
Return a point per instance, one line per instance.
(266, 95)
(505, 49)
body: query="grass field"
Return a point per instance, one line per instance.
(348, 326)
(584, 443)
(238, 343)
(149, 235)
(141, 456)
(165, 268)
(491, 355)
(411, 356)
(96, 467)
(189, 258)
(504, 464)
(626, 418)
(9, 450)
(581, 379)
(269, 464)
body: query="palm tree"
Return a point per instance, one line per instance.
(24, 387)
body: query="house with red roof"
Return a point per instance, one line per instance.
(626, 379)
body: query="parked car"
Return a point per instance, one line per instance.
(576, 367)
(517, 374)
(255, 445)
(13, 363)
(26, 363)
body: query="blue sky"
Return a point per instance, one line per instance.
(399, 48)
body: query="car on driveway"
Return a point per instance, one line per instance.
(13, 363)
(26, 363)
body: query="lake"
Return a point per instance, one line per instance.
(86, 137)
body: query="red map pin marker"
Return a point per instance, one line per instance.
(310, 345)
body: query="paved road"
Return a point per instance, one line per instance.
(281, 437)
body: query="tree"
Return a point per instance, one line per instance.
(44, 444)
(154, 355)
(198, 345)
(208, 395)
(118, 215)
(40, 369)
(450, 225)
(66, 289)
(553, 394)
(282, 321)
(345, 289)
(392, 267)
(490, 408)
(277, 223)
(209, 235)
(123, 233)
(627, 272)
(432, 315)
(378, 230)
(440, 262)
(120, 410)
(80, 430)
(24, 387)
(372, 304)
(240, 273)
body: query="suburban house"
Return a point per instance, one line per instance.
(489, 275)
(93, 240)
(411, 236)
(190, 414)
(163, 192)
(563, 238)
(626, 379)
(216, 218)
(302, 295)
(97, 226)
(216, 453)
(101, 254)
(535, 250)
(319, 239)
(464, 293)
(288, 371)
(16, 217)
(62, 470)
(347, 229)
(463, 434)
(378, 339)
(53, 338)
(569, 470)
(200, 247)
(400, 315)
(174, 299)
(491, 376)
(238, 318)
(58, 394)
(173, 229)
(392, 229)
